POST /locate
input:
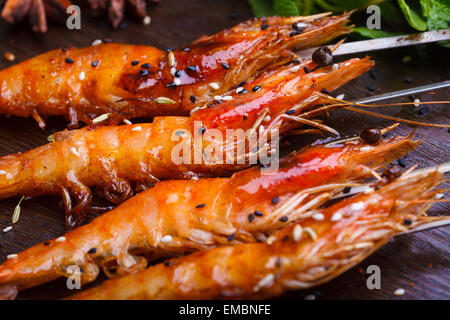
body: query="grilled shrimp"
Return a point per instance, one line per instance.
(126, 81)
(178, 216)
(117, 159)
(304, 254)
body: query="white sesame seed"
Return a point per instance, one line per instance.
(218, 98)
(399, 292)
(239, 89)
(336, 217)
(60, 239)
(416, 103)
(11, 256)
(74, 151)
(335, 67)
(439, 196)
(310, 297)
(295, 69)
(366, 148)
(9, 228)
(369, 190)
(3, 172)
(300, 25)
(171, 58)
(96, 42)
(261, 129)
(101, 118)
(177, 81)
(126, 121)
(406, 59)
(297, 233)
(347, 64)
(357, 206)
(341, 96)
(270, 240)
(214, 85)
(311, 233)
(166, 239)
(147, 20)
(164, 100)
(138, 128)
(267, 119)
(227, 98)
(173, 70)
(264, 282)
(318, 216)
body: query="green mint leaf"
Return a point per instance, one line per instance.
(373, 33)
(412, 17)
(437, 13)
(285, 8)
(261, 8)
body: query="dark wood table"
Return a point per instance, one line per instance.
(418, 262)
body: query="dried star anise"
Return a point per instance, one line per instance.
(116, 9)
(38, 11)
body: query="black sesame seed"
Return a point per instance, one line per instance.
(63, 49)
(322, 56)
(284, 219)
(143, 72)
(191, 68)
(243, 91)
(225, 65)
(325, 91)
(256, 88)
(251, 217)
(168, 263)
(296, 61)
(170, 85)
(401, 162)
(264, 26)
(68, 60)
(371, 87)
(231, 237)
(108, 40)
(258, 213)
(244, 117)
(408, 222)
(278, 264)
(179, 133)
(202, 130)
(292, 111)
(178, 73)
(234, 16)
(82, 270)
(201, 205)
(346, 190)
(135, 62)
(306, 69)
(145, 65)
(46, 243)
(285, 238)
(242, 84)
(275, 200)
(212, 104)
(95, 63)
(423, 111)
(373, 74)
(193, 99)
(294, 33)
(92, 250)
(370, 136)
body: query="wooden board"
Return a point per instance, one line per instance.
(418, 263)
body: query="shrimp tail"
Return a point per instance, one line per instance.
(301, 255)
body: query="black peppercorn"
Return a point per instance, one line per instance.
(322, 56)
(370, 136)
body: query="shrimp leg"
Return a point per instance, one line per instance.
(176, 217)
(303, 254)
